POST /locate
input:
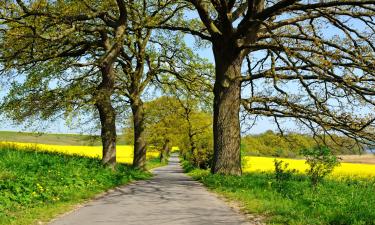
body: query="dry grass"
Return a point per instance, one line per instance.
(55, 139)
(365, 159)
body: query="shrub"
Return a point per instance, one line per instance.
(201, 158)
(321, 161)
(282, 175)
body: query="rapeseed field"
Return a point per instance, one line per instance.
(124, 152)
(253, 163)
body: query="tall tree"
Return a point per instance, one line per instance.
(326, 47)
(114, 40)
(67, 53)
(150, 55)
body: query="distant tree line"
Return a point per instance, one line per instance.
(290, 145)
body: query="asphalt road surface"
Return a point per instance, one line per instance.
(170, 197)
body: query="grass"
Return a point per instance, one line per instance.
(365, 158)
(54, 139)
(335, 201)
(36, 186)
(154, 162)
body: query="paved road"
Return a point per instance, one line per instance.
(170, 197)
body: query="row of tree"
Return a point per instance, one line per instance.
(90, 57)
(171, 121)
(311, 61)
(290, 145)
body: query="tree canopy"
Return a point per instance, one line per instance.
(311, 61)
(307, 61)
(96, 57)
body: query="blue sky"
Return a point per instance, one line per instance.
(60, 126)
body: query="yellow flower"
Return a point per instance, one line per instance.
(344, 170)
(124, 152)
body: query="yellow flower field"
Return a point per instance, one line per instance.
(345, 169)
(124, 152)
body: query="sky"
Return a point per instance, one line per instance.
(60, 125)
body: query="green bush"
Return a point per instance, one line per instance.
(201, 158)
(321, 161)
(282, 176)
(203, 153)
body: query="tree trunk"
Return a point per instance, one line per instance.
(226, 124)
(191, 138)
(139, 160)
(108, 134)
(165, 151)
(162, 156)
(107, 118)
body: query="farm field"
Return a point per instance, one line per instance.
(124, 152)
(366, 158)
(54, 139)
(266, 164)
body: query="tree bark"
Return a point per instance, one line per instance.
(165, 151)
(107, 118)
(139, 160)
(227, 99)
(191, 136)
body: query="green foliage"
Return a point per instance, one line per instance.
(187, 166)
(321, 161)
(183, 124)
(202, 156)
(344, 202)
(32, 180)
(290, 145)
(282, 175)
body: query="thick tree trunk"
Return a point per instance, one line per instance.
(104, 91)
(107, 118)
(226, 124)
(108, 133)
(139, 160)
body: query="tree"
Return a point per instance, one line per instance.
(163, 127)
(66, 51)
(291, 144)
(166, 125)
(195, 113)
(86, 41)
(148, 54)
(306, 60)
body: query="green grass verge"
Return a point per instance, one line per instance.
(294, 201)
(154, 163)
(36, 186)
